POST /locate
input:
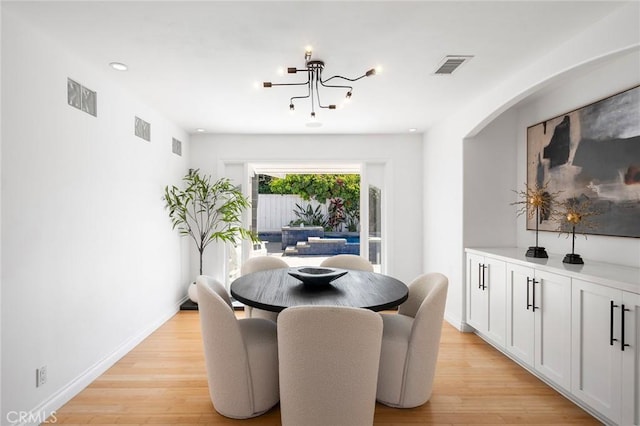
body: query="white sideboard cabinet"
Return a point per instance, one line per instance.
(575, 326)
(604, 350)
(539, 321)
(486, 297)
(631, 359)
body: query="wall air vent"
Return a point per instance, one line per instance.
(451, 63)
(176, 146)
(142, 129)
(82, 98)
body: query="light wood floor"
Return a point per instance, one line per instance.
(162, 381)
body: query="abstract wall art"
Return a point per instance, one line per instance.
(591, 155)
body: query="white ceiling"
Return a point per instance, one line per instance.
(199, 62)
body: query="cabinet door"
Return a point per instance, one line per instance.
(596, 359)
(631, 361)
(520, 317)
(477, 296)
(552, 297)
(496, 286)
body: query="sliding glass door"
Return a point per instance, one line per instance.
(373, 232)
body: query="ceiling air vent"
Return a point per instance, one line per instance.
(451, 63)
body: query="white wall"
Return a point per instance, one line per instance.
(619, 74)
(1, 212)
(444, 158)
(489, 181)
(615, 34)
(443, 204)
(90, 264)
(402, 153)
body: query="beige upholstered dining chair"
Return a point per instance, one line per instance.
(410, 344)
(328, 358)
(241, 356)
(261, 263)
(348, 261)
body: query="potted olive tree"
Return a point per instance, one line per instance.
(207, 211)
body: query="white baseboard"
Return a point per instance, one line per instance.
(48, 407)
(458, 323)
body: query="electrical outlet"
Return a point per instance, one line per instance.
(41, 376)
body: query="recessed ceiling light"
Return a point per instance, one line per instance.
(118, 66)
(313, 124)
(413, 129)
(200, 130)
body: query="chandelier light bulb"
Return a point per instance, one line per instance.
(348, 94)
(313, 115)
(292, 107)
(118, 66)
(378, 69)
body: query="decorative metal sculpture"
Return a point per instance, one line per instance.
(536, 201)
(576, 213)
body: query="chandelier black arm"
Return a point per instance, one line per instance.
(302, 97)
(344, 78)
(335, 86)
(318, 96)
(289, 84)
(299, 97)
(294, 84)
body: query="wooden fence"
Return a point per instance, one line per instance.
(276, 211)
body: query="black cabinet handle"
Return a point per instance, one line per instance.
(533, 291)
(528, 304)
(622, 343)
(611, 339)
(480, 276)
(484, 276)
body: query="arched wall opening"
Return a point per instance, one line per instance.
(453, 150)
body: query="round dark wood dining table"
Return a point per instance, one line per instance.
(274, 290)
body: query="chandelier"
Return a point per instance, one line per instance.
(313, 70)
